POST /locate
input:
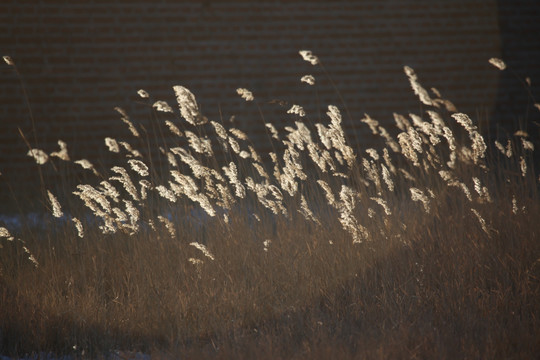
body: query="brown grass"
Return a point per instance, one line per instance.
(430, 281)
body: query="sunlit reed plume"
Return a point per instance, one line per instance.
(298, 110)
(418, 195)
(63, 153)
(200, 145)
(245, 94)
(39, 156)
(112, 145)
(125, 118)
(308, 79)
(273, 131)
(173, 128)
(132, 152)
(168, 225)
(481, 220)
(79, 226)
(417, 88)
(309, 57)
(498, 63)
(203, 249)
(306, 212)
(87, 165)
(4, 233)
(143, 94)
(162, 106)
(56, 208)
(126, 181)
(8, 60)
(188, 106)
(139, 167)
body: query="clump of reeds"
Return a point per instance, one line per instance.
(303, 240)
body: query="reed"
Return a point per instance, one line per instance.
(424, 247)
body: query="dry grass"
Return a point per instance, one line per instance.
(425, 248)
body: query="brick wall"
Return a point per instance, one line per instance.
(80, 59)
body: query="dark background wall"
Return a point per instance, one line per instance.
(519, 25)
(80, 59)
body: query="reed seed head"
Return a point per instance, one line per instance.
(203, 249)
(4, 233)
(162, 106)
(39, 156)
(8, 60)
(63, 153)
(498, 63)
(309, 57)
(56, 208)
(308, 79)
(188, 106)
(245, 94)
(143, 94)
(139, 167)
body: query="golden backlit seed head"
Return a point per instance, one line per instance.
(4, 233)
(162, 106)
(56, 208)
(203, 249)
(79, 226)
(63, 153)
(143, 94)
(139, 167)
(308, 79)
(298, 110)
(245, 94)
(309, 57)
(188, 106)
(8, 60)
(417, 88)
(498, 63)
(39, 156)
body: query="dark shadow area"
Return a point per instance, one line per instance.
(519, 23)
